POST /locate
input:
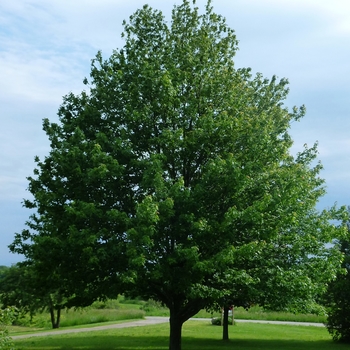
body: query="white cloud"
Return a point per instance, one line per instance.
(34, 77)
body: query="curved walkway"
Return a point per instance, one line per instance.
(146, 322)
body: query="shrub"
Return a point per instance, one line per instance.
(106, 304)
(216, 321)
(152, 305)
(7, 316)
(133, 301)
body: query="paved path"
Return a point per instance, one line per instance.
(146, 322)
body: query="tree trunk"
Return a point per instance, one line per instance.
(55, 322)
(175, 332)
(58, 318)
(225, 324)
(180, 311)
(52, 314)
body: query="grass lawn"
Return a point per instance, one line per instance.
(197, 335)
(123, 309)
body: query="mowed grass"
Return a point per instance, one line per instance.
(197, 335)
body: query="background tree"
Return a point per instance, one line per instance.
(284, 274)
(338, 295)
(15, 289)
(173, 175)
(30, 292)
(3, 269)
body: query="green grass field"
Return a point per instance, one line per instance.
(123, 309)
(196, 335)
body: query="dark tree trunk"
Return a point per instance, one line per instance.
(55, 322)
(225, 324)
(175, 331)
(58, 319)
(180, 311)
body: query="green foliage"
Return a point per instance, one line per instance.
(7, 316)
(106, 304)
(154, 307)
(129, 300)
(216, 321)
(3, 270)
(23, 286)
(18, 288)
(338, 296)
(171, 178)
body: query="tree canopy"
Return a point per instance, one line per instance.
(172, 178)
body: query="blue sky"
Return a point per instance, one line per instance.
(47, 46)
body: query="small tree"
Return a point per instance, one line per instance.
(24, 289)
(172, 177)
(30, 292)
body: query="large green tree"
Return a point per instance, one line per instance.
(171, 177)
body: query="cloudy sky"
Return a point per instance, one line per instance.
(46, 47)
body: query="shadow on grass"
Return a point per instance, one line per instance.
(131, 342)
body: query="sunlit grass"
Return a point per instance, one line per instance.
(196, 335)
